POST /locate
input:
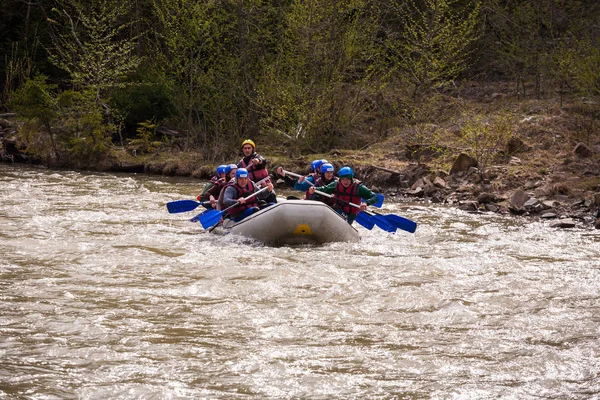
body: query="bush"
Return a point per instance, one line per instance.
(150, 101)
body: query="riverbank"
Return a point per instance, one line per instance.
(549, 168)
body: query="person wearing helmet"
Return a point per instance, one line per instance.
(315, 166)
(315, 172)
(213, 193)
(235, 192)
(253, 162)
(316, 179)
(303, 183)
(230, 170)
(348, 190)
(213, 188)
(325, 178)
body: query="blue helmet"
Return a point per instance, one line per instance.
(241, 173)
(229, 168)
(315, 165)
(327, 167)
(346, 172)
(221, 169)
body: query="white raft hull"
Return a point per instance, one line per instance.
(294, 222)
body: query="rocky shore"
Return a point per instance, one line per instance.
(556, 195)
(549, 198)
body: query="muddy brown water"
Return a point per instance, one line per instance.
(104, 294)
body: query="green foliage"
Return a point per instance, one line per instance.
(60, 127)
(314, 91)
(429, 42)
(89, 43)
(484, 137)
(310, 75)
(83, 133)
(202, 64)
(580, 62)
(36, 103)
(35, 100)
(546, 43)
(145, 141)
(148, 100)
(18, 67)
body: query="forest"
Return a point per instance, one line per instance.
(84, 77)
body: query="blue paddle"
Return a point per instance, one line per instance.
(387, 222)
(380, 197)
(213, 216)
(399, 222)
(367, 219)
(379, 201)
(179, 206)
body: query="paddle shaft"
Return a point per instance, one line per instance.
(294, 175)
(398, 222)
(318, 191)
(263, 180)
(212, 217)
(245, 199)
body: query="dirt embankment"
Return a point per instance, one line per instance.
(549, 169)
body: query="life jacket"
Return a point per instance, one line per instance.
(241, 192)
(212, 188)
(349, 194)
(255, 174)
(320, 181)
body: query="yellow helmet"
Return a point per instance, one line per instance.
(250, 142)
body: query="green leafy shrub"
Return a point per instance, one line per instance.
(146, 101)
(484, 137)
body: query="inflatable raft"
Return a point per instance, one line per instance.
(293, 222)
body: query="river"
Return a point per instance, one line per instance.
(104, 294)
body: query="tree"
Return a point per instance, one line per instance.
(314, 91)
(428, 43)
(92, 45)
(198, 60)
(36, 104)
(61, 127)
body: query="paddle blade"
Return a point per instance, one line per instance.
(365, 220)
(197, 217)
(383, 224)
(400, 222)
(380, 200)
(210, 218)
(179, 206)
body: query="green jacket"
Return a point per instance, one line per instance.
(367, 195)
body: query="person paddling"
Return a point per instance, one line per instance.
(348, 190)
(325, 178)
(304, 182)
(256, 165)
(213, 187)
(230, 172)
(236, 191)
